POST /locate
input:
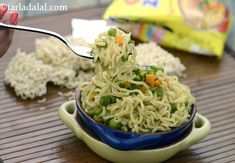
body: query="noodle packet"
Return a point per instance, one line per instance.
(198, 26)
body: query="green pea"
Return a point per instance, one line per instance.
(105, 101)
(98, 112)
(134, 86)
(114, 124)
(101, 44)
(186, 103)
(139, 78)
(112, 99)
(159, 91)
(112, 32)
(173, 107)
(142, 78)
(125, 57)
(156, 69)
(136, 71)
(153, 89)
(150, 71)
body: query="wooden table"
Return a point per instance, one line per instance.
(28, 134)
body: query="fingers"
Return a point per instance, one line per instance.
(5, 34)
(14, 18)
(3, 9)
(10, 18)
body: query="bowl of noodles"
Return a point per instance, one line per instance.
(130, 106)
(111, 134)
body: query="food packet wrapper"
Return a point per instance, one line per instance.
(198, 26)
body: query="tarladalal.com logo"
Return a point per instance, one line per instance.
(37, 7)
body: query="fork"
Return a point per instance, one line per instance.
(81, 51)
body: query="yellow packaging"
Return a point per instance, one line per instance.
(198, 26)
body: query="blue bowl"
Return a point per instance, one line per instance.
(126, 141)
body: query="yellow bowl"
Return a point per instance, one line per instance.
(67, 113)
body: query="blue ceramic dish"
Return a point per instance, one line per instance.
(126, 141)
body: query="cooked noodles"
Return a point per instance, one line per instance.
(129, 97)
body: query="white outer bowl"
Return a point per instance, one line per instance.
(201, 128)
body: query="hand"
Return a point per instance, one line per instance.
(6, 34)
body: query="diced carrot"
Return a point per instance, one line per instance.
(150, 78)
(119, 39)
(127, 85)
(157, 83)
(143, 89)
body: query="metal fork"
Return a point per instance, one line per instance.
(81, 51)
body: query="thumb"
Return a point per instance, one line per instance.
(10, 18)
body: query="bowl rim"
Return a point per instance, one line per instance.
(79, 107)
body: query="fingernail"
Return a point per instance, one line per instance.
(3, 9)
(14, 18)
